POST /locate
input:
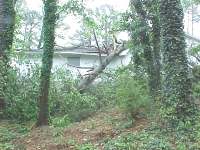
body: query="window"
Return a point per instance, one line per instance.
(75, 61)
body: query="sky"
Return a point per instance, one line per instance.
(119, 5)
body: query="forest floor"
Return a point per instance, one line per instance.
(94, 131)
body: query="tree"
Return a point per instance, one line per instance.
(102, 23)
(28, 27)
(87, 80)
(7, 26)
(144, 41)
(153, 15)
(177, 104)
(49, 22)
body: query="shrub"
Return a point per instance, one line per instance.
(132, 93)
(22, 93)
(105, 90)
(61, 121)
(77, 106)
(64, 99)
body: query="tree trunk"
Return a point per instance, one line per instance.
(177, 104)
(85, 82)
(7, 25)
(146, 44)
(47, 60)
(156, 46)
(40, 39)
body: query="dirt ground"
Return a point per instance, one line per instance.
(95, 130)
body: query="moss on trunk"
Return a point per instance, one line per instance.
(49, 23)
(7, 26)
(177, 104)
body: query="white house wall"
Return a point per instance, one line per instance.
(60, 61)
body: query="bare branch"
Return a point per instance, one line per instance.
(85, 82)
(97, 43)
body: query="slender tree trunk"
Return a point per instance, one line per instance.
(146, 43)
(156, 46)
(47, 60)
(7, 25)
(177, 104)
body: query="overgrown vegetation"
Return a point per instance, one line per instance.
(152, 103)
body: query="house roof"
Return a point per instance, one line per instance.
(74, 52)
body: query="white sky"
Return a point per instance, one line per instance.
(117, 4)
(120, 5)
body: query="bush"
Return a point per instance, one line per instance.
(64, 99)
(105, 90)
(77, 106)
(61, 121)
(22, 93)
(132, 93)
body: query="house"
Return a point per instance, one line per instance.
(78, 60)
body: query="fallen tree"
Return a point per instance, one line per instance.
(89, 78)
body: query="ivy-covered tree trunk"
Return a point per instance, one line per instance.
(146, 44)
(7, 25)
(155, 40)
(156, 55)
(49, 23)
(177, 104)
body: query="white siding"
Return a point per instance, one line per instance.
(60, 61)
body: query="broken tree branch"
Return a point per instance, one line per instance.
(85, 82)
(99, 49)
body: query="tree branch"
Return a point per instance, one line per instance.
(97, 43)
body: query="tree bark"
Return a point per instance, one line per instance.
(7, 25)
(49, 22)
(156, 29)
(146, 43)
(177, 104)
(85, 82)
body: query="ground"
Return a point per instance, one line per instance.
(93, 131)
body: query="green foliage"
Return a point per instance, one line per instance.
(6, 135)
(61, 121)
(105, 89)
(9, 132)
(138, 141)
(154, 138)
(104, 21)
(31, 20)
(122, 88)
(22, 94)
(187, 3)
(132, 93)
(86, 147)
(76, 105)
(177, 106)
(64, 99)
(6, 146)
(75, 7)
